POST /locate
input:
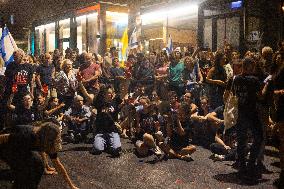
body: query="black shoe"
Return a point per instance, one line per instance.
(115, 153)
(95, 152)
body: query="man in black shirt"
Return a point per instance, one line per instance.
(247, 89)
(19, 74)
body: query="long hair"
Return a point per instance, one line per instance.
(219, 69)
(49, 137)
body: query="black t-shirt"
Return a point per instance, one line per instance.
(147, 122)
(45, 72)
(107, 116)
(20, 74)
(178, 142)
(246, 88)
(24, 116)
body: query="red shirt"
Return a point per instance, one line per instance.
(90, 71)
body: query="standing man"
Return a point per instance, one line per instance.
(247, 89)
(90, 71)
(19, 74)
(45, 73)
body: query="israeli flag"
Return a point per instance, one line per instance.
(133, 42)
(7, 46)
(170, 47)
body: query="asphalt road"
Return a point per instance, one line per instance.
(129, 171)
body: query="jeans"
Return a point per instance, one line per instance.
(110, 141)
(245, 122)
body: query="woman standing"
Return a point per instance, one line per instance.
(216, 78)
(66, 83)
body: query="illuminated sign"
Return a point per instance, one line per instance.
(236, 4)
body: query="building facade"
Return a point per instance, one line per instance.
(96, 27)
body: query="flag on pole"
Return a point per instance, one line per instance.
(133, 40)
(124, 41)
(170, 47)
(7, 46)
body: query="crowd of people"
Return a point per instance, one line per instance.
(166, 104)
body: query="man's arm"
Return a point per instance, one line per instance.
(9, 103)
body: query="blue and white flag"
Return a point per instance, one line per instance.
(170, 47)
(7, 46)
(133, 42)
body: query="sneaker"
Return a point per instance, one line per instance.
(186, 158)
(95, 152)
(219, 157)
(157, 151)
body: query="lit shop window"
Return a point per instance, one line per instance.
(93, 34)
(50, 37)
(64, 33)
(45, 38)
(116, 25)
(39, 39)
(81, 33)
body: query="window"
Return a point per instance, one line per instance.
(81, 33)
(64, 34)
(93, 32)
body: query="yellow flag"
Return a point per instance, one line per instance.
(124, 41)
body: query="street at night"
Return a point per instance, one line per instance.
(129, 171)
(138, 94)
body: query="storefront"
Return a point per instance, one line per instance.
(240, 23)
(177, 20)
(94, 29)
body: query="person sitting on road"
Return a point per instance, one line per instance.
(199, 119)
(23, 113)
(148, 131)
(179, 130)
(77, 119)
(55, 110)
(187, 98)
(224, 147)
(106, 131)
